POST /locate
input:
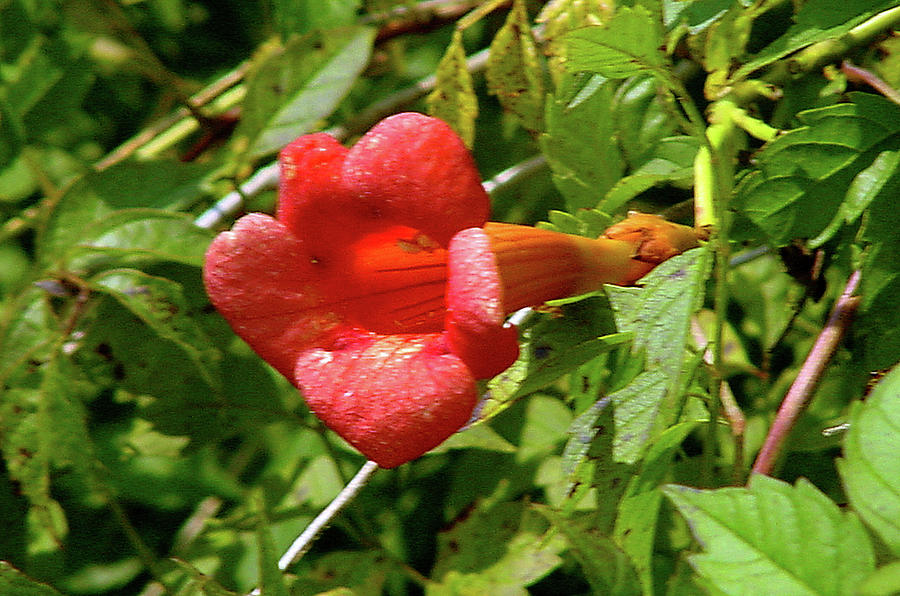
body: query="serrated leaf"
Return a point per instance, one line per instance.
(128, 185)
(29, 333)
(585, 222)
(817, 20)
(579, 136)
(13, 581)
(870, 468)
(453, 99)
(659, 314)
(345, 573)
(514, 72)
(296, 85)
(133, 236)
(558, 17)
(500, 547)
(606, 568)
(625, 46)
(790, 539)
(804, 175)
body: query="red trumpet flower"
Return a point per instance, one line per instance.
(380, 291)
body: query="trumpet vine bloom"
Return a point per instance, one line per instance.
(380, 290)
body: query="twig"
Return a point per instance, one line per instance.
(801, 391)
(861, 75)
(305, 539)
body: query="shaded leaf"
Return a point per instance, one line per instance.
(638, 510)
(294, 86)
(514, 70)
(453, 99)
(642, 120)
(792, 539)
(13, 581)
(345, 573)
(160, 304)
(870, 468)
(271, 579)
(672, 161)
(606, 568)
(558, 17)
(817, 20)
(302, 16)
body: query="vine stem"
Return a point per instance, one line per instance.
(801, 391)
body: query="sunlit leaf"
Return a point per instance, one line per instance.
(129, 185)
(625, 46)
(496, 549)
(870, 468)
(791, 539)
(296, 85)
(803, 176)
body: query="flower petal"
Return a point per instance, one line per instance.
(475, 307)
(392, 397)
(414, 170)
(260, 278)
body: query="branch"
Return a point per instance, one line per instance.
(800, 393)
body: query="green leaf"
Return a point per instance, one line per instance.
(29, 333)
(345, 573)
(659, 314)
(453, 99)
(554, 347)
(500, 548)
(134, 236)
(817, 20)
(671, 162)
(13, 581)
(514, 70)
(885, 581)
(870, 468)
(579, 136)
(605, 566)
(625, 46)
(805, 175)
(642, 120)
(294, 86)
(790, 539)
(271, 579)
(129, 185)
(585, 222)
(159, 304)
(44, 430)
(638, 510)
(304, 16)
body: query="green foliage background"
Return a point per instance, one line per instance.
(146, 450)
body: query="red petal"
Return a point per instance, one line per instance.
(475, 310)
(392, 397)
(414, 170)
(262, 281)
